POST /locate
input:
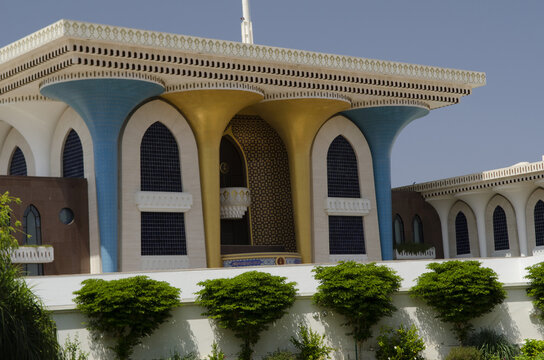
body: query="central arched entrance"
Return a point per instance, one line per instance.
(234, 194)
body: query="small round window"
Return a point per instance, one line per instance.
(66, 216)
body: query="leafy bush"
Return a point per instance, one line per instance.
(360, 292)
(126, 310)
(491, 343)
(280, 355)
(26, 328)
(465, 353)
(459, 291)
(400, 344)
(532, 347)
(311, 345)
(177, 356)
(527, 357)
(71, 350)
(536, 286)
(216, 354)
(246, 304)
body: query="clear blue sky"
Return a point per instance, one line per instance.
(499, 125)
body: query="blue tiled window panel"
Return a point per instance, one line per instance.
(163, 234)
(539, 223)
(346, 235)
(18, 163)
(72, 157)
(500, 229)
(462, 242)
(342, 174)
(159, 160)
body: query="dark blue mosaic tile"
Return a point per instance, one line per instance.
(462, 242)
(163, 233)
(346, 235)
(18, 163)
(500, 229)
(342, 174)
(159, 160)
(72, 157)
(539, 223)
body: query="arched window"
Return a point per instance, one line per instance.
(500, 229)
(346, 233)
(17, 164)
(342, 172)
(159, 160)
(72, 157)
(32, 229)
(539, 223)
(461, 234)
(398, 230)
(417, 227)
(162, 233)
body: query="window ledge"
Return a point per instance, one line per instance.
(155, 201)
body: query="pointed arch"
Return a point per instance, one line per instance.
(535, 221)
(459, 234)
(398, 230)
(72, 156)
(417, 230)
(501, 229)
(17, 163)
(32, 229)
(342, 170)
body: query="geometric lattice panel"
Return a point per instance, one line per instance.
(461, 234)
(163, 233)
(342, 174)
(500, 229)
(18, 163)
(72, 157)
(346, 235)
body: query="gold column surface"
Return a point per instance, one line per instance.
(297, 119)
(209, 108)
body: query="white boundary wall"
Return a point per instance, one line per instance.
(189, 331)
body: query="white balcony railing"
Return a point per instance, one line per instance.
(33, 255)
(427, 254)
(234, 202)
(347, 206)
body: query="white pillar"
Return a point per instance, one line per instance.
(442, 205)
(518, 194)
(478, 200)
(247, 25)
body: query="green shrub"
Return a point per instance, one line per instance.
(177, 356)
(280, 355)
(26, 328)
(216, 354)
(459, 291)
(465, 353)
(532, 347)
(246, 304)
(71, 350)
(359, 292)
(527, 357)
(126, 310)
(311, 345)
(491, 343)
(400, 344)
(536, 287)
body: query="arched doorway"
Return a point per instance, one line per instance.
(232, 178)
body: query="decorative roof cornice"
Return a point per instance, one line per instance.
(306, 95)
(213, 86)
(390, 102)
(100, 75)
(89, 31)
(478, 181)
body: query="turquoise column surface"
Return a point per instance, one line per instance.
(104, 104)
(381, 126)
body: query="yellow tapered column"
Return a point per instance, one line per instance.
(208, 111)
(297, 120)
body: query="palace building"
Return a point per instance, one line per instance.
(138, 150)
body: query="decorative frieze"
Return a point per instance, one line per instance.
(154, 201)
(347, 206)
(234, 202)
(33, 255)
(427, 254)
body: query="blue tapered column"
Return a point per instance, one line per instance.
(381, 126)
(104, 104)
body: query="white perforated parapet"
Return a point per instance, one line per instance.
(154, 201)
(347, 206)
(33, 255)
